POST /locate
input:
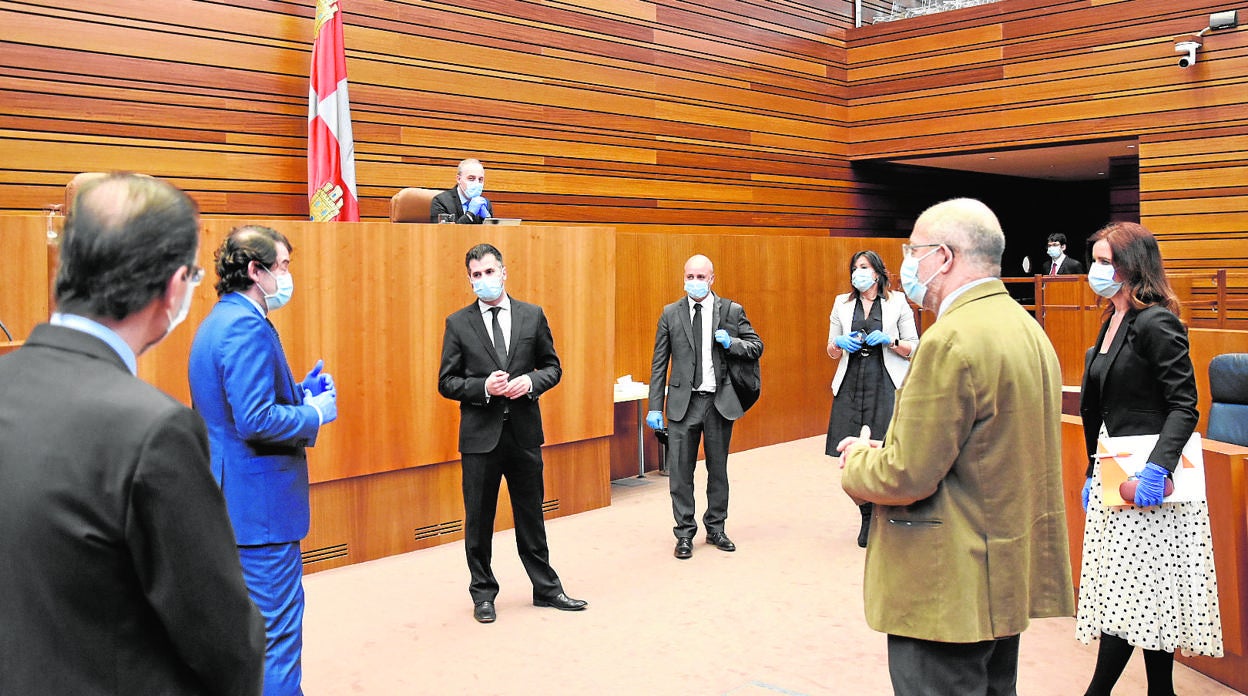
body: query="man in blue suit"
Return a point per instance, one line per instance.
(260, 420)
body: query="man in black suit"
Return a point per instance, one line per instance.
(464, 203)
(120, 574)
(1059, 263)
(498, 357)
(695, 335)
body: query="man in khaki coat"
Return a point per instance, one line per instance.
(969, 537)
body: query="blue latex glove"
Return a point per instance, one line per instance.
(1152, 486)
(654, 420)
(479, 206)
(878, 338)
(723, 338)
(1087, 490)
(326, 403)
(316, 382)
(848, 343)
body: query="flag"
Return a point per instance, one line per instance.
(331, 151)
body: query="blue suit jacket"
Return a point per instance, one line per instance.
(258, 426)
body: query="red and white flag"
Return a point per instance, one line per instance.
(331, 151)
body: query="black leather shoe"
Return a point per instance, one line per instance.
(561, 602)
(684, 548)
(721, 542)
(484, 612)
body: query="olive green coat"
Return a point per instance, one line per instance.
(968, 540)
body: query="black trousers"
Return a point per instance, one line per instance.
(702, 422)
(482, 477)
(928, 668)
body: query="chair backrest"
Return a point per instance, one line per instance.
(71, 189)
(412, 204)
(1228, 389)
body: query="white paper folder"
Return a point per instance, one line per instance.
(1126, 456)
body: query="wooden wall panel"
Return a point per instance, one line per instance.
(1035, 72)
(27, 283)
(587, 112)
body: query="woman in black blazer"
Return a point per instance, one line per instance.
(1147, 576)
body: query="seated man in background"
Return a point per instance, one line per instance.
(465, 201)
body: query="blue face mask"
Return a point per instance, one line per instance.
(489, 288)
(281, 294)
(1101, 280)
(473, 189)
(915, 289)
(862, 279)
(1055, 251)
(697, 289)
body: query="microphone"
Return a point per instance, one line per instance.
(6, 330)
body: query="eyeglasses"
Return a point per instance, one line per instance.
(195, 275)
(907, 250)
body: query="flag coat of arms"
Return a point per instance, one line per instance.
(331, 150)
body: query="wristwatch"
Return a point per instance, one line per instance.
(896, 342)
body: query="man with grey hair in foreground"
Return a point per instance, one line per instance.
(969, 537)
(120, 573)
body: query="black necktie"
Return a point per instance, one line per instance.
(697, 345)
(500, 346)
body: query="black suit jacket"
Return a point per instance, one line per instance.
(674, 346)
(1149, 387)
(468, 358)
(1069, 267)
(120, 574)
(448, 202)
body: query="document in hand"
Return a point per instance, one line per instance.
(1125, 456)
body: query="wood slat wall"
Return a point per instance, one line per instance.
(645, 114)
(1034, 72)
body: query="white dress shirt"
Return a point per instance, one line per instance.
(704, 341)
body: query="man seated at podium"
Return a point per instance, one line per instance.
(464, 203)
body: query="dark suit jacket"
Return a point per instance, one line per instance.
(468, 358)
(120, 574)
(258, 425)
(1149, 387)
(674, 345)
(1069, 267)
(448, 202)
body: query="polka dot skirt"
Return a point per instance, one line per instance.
(1148, 576)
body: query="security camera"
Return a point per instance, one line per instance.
(1188, 45)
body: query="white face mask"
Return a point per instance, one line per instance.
(184, 309)
(488, 288)
(473, 189)
(862, 279)
(1101, 280)
(697, 289)
(281, 294)
(914, 288)
(1055, 251)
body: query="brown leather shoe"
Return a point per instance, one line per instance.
(721, 542)
(684, 548)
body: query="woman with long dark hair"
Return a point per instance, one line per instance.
(1147, 576)
(872, 334)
